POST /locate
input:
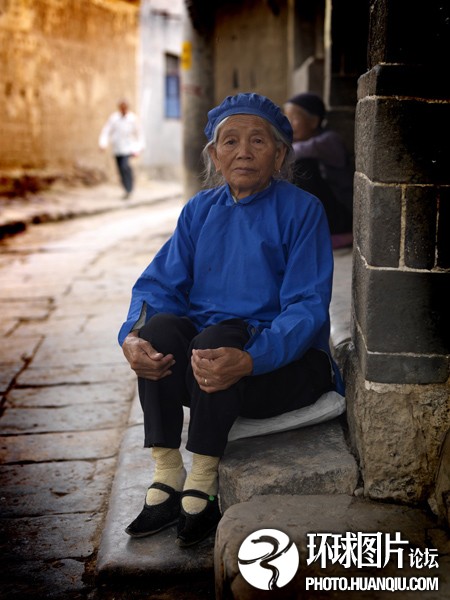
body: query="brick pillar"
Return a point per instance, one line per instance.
(397, 375)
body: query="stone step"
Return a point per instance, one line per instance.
(299, 515)
(310, 460)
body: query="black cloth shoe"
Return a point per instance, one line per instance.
(155, 517)
(193, 528)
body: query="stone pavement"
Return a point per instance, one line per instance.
(66, 389)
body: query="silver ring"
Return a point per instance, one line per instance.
(205, 380)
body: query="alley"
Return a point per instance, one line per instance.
(66, 389)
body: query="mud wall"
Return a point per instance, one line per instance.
(64, 65)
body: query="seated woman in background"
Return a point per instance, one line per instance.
(231, 316)
(322, 164)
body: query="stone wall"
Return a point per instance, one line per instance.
(64, 64)
(398, 382)
(397, 432)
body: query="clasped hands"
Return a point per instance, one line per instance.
(214, 369)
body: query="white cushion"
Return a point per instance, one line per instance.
(327, 407)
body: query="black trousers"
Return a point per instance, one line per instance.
(125, 172)
(212, 415)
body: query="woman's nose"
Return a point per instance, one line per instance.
(244, 149)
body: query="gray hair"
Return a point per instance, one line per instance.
(211, 178)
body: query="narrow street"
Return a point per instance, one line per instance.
(66, 390)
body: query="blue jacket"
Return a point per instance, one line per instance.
(266, 259)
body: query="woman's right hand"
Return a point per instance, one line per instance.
(145, 361)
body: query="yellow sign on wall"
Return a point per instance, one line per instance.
(186, 55)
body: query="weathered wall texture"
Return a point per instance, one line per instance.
(64, 64)
(250, 50)
(398, 387)
(397, 432)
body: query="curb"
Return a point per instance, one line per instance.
(18, 214)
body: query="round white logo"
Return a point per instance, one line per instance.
(268, 559)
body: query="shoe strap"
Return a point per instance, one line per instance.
(163, 487)
(198, 494)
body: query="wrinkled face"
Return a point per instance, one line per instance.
(303, 124)
(246, 154)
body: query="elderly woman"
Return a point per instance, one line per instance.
(231, 316)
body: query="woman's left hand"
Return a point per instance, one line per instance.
(220, 368)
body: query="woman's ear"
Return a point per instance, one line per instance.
(213, 155)
(279, 157)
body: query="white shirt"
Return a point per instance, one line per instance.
(123, 133)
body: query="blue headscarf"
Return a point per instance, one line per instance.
(249, 104)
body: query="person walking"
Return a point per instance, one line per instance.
(122, 132)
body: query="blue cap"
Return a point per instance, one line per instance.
(249, 104)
